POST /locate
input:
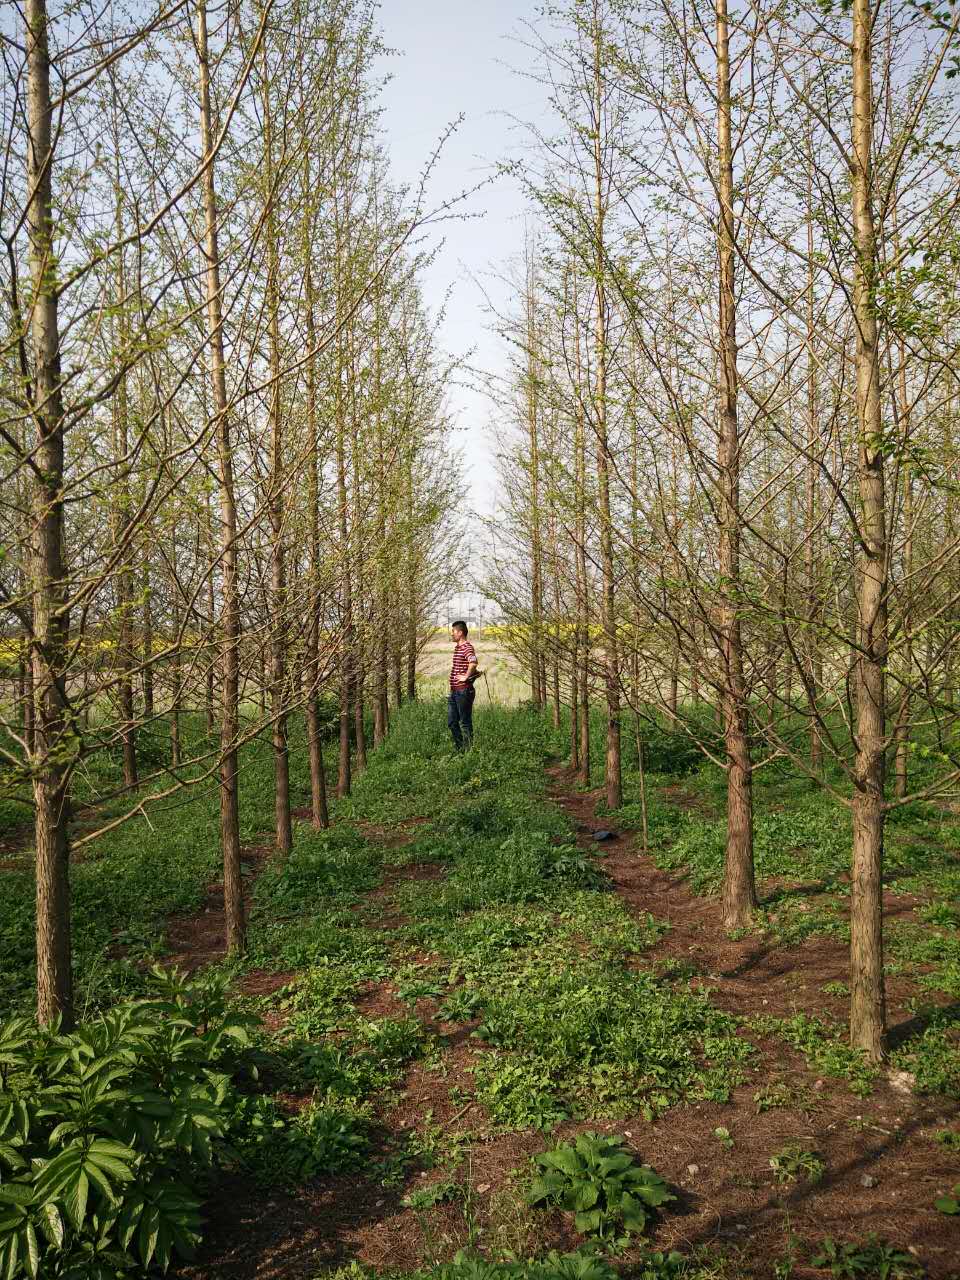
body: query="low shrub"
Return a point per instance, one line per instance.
(600, 1182)
(105, 1132)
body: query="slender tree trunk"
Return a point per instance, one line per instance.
(209, 692)
(53, 740)
(126, 648)
(810, 542)
(347, 648)
(574, 709)
(359, 632)
(611, 661)
(580, 553)
(177, 678)
(902, 732)
(148, 691)
(739, 889)
(413, 576)
(230, 612)
(275, 504)
(397, 662)
(867, 995)
(381, 706)
(538, 693)
(318, 782)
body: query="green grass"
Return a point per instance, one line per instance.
(131, 879)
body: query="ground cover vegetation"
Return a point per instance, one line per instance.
(457, 1020)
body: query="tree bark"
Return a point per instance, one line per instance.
(230, 612)
(318, 782)
(739, 889)
(611, 663)
(53, 732)
(275, 505)
(867, 994)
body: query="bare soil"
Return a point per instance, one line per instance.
(198, 938)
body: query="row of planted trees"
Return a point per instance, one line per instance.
(221, 409)
(732, 413)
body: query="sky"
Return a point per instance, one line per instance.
(455, 58)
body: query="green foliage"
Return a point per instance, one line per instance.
(600, 1037)
(796, 1161)
(812, 842)
(556, 1266)
(441, 1192)
(943, 914)
(526, 866)
(871, 1258)
(276, 1149)
(784, 1093)
(324, 934)
(586, 1264)
(518, 1094)
(825, 1048)
(949, 1203)
(599, 1181)
(336, 863)
(933, 1055)
(394, 1040)
(319, 1001)
(103, 1131)
(137, 874)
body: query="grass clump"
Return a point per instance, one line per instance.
(795, 1161)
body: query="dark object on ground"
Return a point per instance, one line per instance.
(604, 835)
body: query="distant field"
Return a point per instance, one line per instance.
(505, 684)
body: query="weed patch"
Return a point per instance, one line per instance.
(824, 1047)
(600, 1038)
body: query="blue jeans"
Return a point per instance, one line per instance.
(460, 717)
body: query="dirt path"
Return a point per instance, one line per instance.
(883, 1169)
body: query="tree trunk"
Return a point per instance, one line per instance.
(275, 512)
(126, 649)
(175, 668)
(812, 655)
(319, 811)
(582, 580)
(346, 651)
(739, 889)
(538, 692)
(230, 612)
(867, 996)
(611, 663)
(53, 733)
(574, 711)
(148, 694)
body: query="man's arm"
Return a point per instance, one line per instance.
(472, 672)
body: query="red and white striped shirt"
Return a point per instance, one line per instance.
(463, 655)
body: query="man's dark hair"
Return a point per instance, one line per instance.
(460, 625)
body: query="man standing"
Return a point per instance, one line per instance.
(462, 675)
